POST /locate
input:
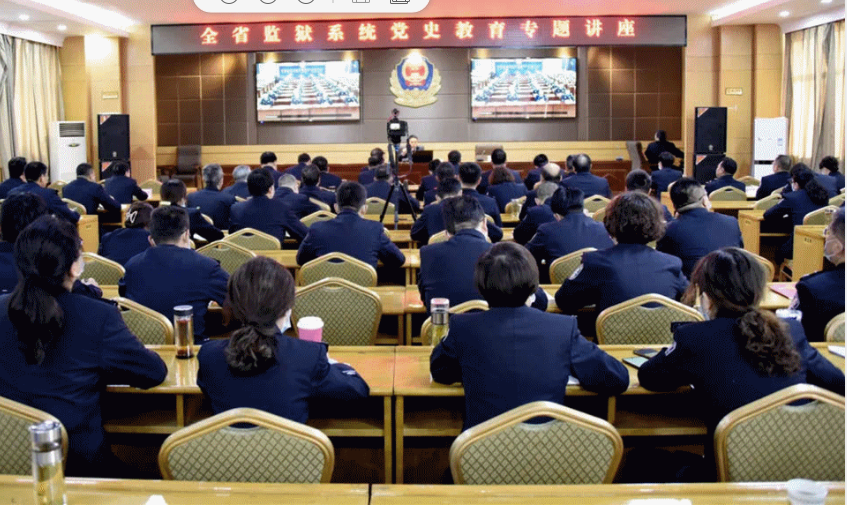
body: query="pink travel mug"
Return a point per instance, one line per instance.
(310, 328)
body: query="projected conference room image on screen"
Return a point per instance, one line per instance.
(308, 91)
(527, 88)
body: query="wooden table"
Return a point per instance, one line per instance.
(288, 259)
(18, 489)
(405, 221)
(750, 222)
(601, 494)
(731, 207)
(89, 232)
(808, 250)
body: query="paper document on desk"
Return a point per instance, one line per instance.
(837, 349)
(573, 381)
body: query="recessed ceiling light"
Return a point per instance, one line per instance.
(735, 8)
(24, 17)
(784, 14)
(62, 28)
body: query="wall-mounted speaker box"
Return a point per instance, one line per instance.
(710, 130)
(113, 137)
(705, 166)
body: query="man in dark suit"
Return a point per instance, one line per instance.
(264, 213)
(268, 162)
(428, 182)
(661, 145)
(498, 159)
(829, 166)
(174, 191)
(431, 220)
(443, 172)
(725, 176)
(666, 174)
(511, 355)
(639, 180)
(239, 186)
(583, 179)
(696, 232)
(170, 273)
(310, 177)
(820, 296)
(454, 157)
(303, 159)
(550, 173)
(779, 178)
(534, 175)
(469, 174)
(537, 215)
(122, 187)
(16, 176)
(350, 233)
(381, 187)
(376, 158)
(90, 194)
(211, 200)
(288, 192)
(36, 183)
(328, 180)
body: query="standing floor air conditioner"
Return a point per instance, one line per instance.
(68, 149)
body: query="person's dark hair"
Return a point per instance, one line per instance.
(16, 167)
(540, 160)
(783, 162)
(661, 135)
(582, 163)
(500, 175)
(138, 215)
(729, 165)
(837, 225)
(735, 282)
(567, 200)
(449, 187)
(433, 165)
(374, 161)
(445, 171)
(320, 162)
(830, 163)
(799, 167)
(470, 173)
(34, 170)
(351, 196)
(17, 212)
(634, 218)
(259, 182)
(167, 224)
(83, 169)
(382, 173)
(259, 293)
(638, 180)
(666, 159)
(569, 163)
(44, 254)
(805, 179)
(686, 191)
(304, 158)
(506, 275)
(173, 191)
(267, 157)
(461, 213)
(379, 154)
(454, 157)
(310, 176)
(498, 157)
(119, 167)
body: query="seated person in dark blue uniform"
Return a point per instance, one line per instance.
(639, 180)
(443, 172)
(170, 273)
(511, 355)
(428, 182)
(211, 200)
(829, 166)
(820, 296)
(741, 353)
(382, 186)
(696, 231)
(124, 243)
(85, 191)
(661, 145)
(350, 233)
(570, 231)
(61, 349)
(447, 267)
(412, 145)
(454, 157)
(120, 186)
(268, 162)
(533, 177)
(261, 368)
(377, 158)
(174, 191)
(328, 180)
(37, 180)
(503, 189)
(725, 176)
(666, 174)
(303, 159)
(779, 178)
(806, 196)
(584, 180)
(550, 173)
(537, 215)
(431, 220)
(288, 192)
(266, 214)
(629, 269)
(16, 176)
(498, 160)
(309, 179)
(239, 185)
(469, 174)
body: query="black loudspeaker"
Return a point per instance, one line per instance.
(113, 136)
(709, 130)
(705, 166)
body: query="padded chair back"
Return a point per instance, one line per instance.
(103, 270)
(834, 330)
(837, 200)
(58, 187)
(469, 306)
(187, 159)
(350, 313)
(151, 327)
(314, 217)
(600, 215)
(594, 203)
(273, 449)
(563, 267)
(772, 440)
(253, 240)
(770, 270)
(229, 254)
(338, 265)
(572, 448)
(821, 216)
(320, 204)
(375, 206)
(439, 237)
(75, 206)
(151, 184)
(728, 193)
(644, 320)
(208, 219)
(749, 180)
(15, 420)
(514, 206)
(767, 202)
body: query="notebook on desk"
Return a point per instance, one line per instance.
(786, 291)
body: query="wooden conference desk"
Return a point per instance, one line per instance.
(731, 208)
(808, 250)
(89, 232)
(288, 259)
(405, 220)
(750, 222)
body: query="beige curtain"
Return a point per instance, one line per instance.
(37, 97)
(7, 85)
(814, 92)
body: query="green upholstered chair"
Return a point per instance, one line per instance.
(563, 267)
(15, 420)
(350, 313)
(340, 266)
(151, 327)
(644, 320)
(229, 254)
(103, 270)
(253, 240)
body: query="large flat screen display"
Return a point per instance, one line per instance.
(308, 91)
(523, 88)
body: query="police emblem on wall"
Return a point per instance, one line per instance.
(415, 82)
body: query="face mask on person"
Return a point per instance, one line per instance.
(705, 305)
(284, 324)
(832, 247)
(530, 300)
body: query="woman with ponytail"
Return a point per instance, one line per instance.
(259, 367)
(61, 349)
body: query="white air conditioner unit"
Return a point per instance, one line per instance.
(68, 149)
(770, 139)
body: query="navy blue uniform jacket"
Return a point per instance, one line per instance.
(328, 197)
(589, 183)
(771, 183)
(820, 297)
(574, 232)
(213, 203)
(508, 357)
(8, 185)
(124, 243)
(123, 188)
(267, 215)
(197, 225)
(95, 349)
(654, 149)
(535, 217)
(726, 180)
(787, 214)
(664, 177)
(300, 205)
(329, 180)
(301, 372)
(354, 236)
(489, 205)
(505, 192)
(380, 189)
(90, 195)
(486, 179)
(296, 170)
(696, 233)
(431, 221)
(55, 205)
(238, 189)
(165, 276)
(366, 176)
(532, 178)
(428, 182)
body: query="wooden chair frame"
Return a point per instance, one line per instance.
(510, 207)
(837, 200)
(379, 203)
(562, 259)
(164, 322)
(600, 215)
(151, 184)
(530, 411)
(96, 258)
(592, 201)
(75, 206)
(749, 180)
(426, 327)
(251, 231)
(334, 282)
(637, 302)
(58, 187)
(320, 204)
(256, 418)
(439, 237)
(767, 202)
(731, 192)
(769, 266)
(208, 219)
(240, 199)
(33, 415)
(314, 217)
(337, 256)
(224, 243)
(829, 210)
(832, 327)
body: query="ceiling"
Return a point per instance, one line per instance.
(44, 18)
